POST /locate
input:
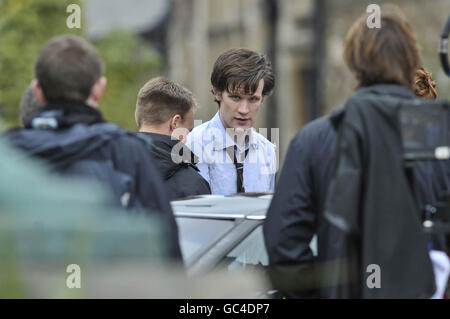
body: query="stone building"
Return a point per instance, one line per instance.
(427, 18)
(199, 30)
(303, 38)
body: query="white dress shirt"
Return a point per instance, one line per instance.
(209, 142)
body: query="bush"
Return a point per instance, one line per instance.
(26, 25)
(128, 66)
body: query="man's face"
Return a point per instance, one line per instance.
(239, 110)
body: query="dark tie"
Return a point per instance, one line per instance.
(239, 168)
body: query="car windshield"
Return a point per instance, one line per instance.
(197, 234)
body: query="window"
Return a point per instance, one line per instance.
(197, 234)
(250, 252)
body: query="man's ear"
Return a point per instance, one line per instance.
(37, 90)
(175, 122)
(217, 93)
(177, 131)
(97, 91)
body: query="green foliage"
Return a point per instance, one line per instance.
(129, 64)
(26, 25)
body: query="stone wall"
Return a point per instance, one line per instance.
(201, 29)
(427, 18)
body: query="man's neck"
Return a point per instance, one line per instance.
(242, 136)
(92, 102)
(154, 129)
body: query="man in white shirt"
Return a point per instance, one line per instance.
(233, 157)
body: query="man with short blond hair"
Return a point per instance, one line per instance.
(165, 114)
(160, 99)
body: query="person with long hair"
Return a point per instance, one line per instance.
(424, 85)
(386, 63)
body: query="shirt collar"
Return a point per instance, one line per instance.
(226, 141)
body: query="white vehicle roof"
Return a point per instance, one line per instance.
(248, 206)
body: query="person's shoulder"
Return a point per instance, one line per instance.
(188, 173)
(316, 130)
(128, 140)
(316, 125)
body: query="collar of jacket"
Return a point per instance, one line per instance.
(393, 90)
(63, 114)
(162, 146)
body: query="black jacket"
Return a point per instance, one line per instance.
(371, 201)
(76, 141)
(181, 176)
(296, 211)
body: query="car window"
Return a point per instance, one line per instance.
(250, 252)
(197, 234)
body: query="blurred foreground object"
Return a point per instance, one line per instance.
(443, 48)
(381, 221)
(424, 86)
(46, 228)
(378, 226)
(47, 224)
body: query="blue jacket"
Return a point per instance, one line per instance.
(75, 140)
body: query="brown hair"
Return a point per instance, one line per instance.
(160, 99)
(67, 68)
(383, 55)
(424, 86)
(242, 69)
